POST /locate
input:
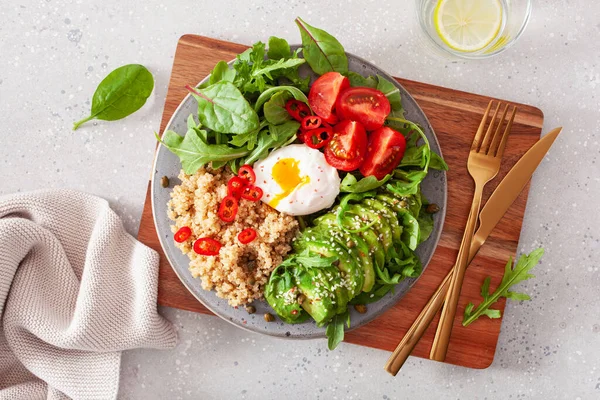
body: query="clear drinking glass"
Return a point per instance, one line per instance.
(514, 19)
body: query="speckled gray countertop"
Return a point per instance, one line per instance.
(53, 53)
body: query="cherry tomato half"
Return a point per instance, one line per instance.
(347, 149)
(324, 93)
(310, 122)
(317, 138)
(297, 109)
(252, 193)
(384, 152)
(182, 234)
(246, 172)
(228, 209)
(368, 106)
(207, 246)
(235, 187)
(247, 235)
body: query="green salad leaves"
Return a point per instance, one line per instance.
(121, 93)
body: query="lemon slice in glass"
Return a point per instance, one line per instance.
(468, 25)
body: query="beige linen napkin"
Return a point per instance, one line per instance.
(75, 290)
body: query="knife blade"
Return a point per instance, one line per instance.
(501, 199)
(509, 189)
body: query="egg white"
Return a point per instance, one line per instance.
(317, 194)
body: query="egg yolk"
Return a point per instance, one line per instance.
(286, 174)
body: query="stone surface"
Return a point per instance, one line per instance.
(53, 53)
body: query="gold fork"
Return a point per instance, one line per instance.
(483, 165)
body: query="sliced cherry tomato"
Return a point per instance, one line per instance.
(347, 149)
(235, 187)
(297, 109)
(228, 209)
(247, 235)
(207, 246)
(252, 193)
(385, 150)
(317, 138)
(182, 234)
(310, 122)
(368, 106)
(324, 93)
(246, 172)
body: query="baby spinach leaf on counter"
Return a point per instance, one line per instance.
(267, 94)
(335, 330)
(357, 79)
(121, 93)
(351, 185)
(278, 48)
(275, 137)
(223, 108)
(194, 152)
(511, 277)
(322, 51)
(274, 109)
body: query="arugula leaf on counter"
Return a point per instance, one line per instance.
(322, 51)
(351, 185)
(121, 93)
(511, 277)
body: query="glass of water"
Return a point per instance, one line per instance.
(472, 29)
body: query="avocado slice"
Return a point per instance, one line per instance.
(387, 212)
(361, 250)
(381, 225)
(320, 301)
(410, 230)
(280, 293)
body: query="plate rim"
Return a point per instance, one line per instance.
(436, 236)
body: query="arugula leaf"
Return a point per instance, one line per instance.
(281, 64)
(357, 79)
(425, 226)
(511, 277)
(274, 109)
(309, 260)
(278, 48)
(194, 152)
(223, 108)
(121, 93)
(351, 185)
(379, 290)
(273, 138)
(406, 183)
(437, 162)
(267, 94)
(322, 51)
(335, 329)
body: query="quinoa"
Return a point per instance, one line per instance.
(240, 271)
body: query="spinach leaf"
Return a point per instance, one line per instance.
(273, 138)
(351, 185)
(221, 72)
(357, 79)
(437, 162)
(335, 330)
(194, 152)
(267, 94)
(406, 182)
(425, 226)
(391, 91)
(322, 51)
(278, 48)
(121, 93)
(223, 108)
(274, 109)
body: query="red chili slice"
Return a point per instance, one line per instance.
(247, 173)
(182, 234)
(317, 138)
(235, 187)
(252, 193)
(207, 247)
(247, 235)
(228, 209)
(297, 109)
(311, 122)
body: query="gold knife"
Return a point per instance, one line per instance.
(493, 211)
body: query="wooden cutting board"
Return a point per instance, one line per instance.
(455, 117)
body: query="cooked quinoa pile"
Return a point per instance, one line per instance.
(240, 271)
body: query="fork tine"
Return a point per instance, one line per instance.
(494, 145)
(500, 151)
(488, 135)
(478, 135)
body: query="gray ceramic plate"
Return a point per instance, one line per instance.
(167, 164)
